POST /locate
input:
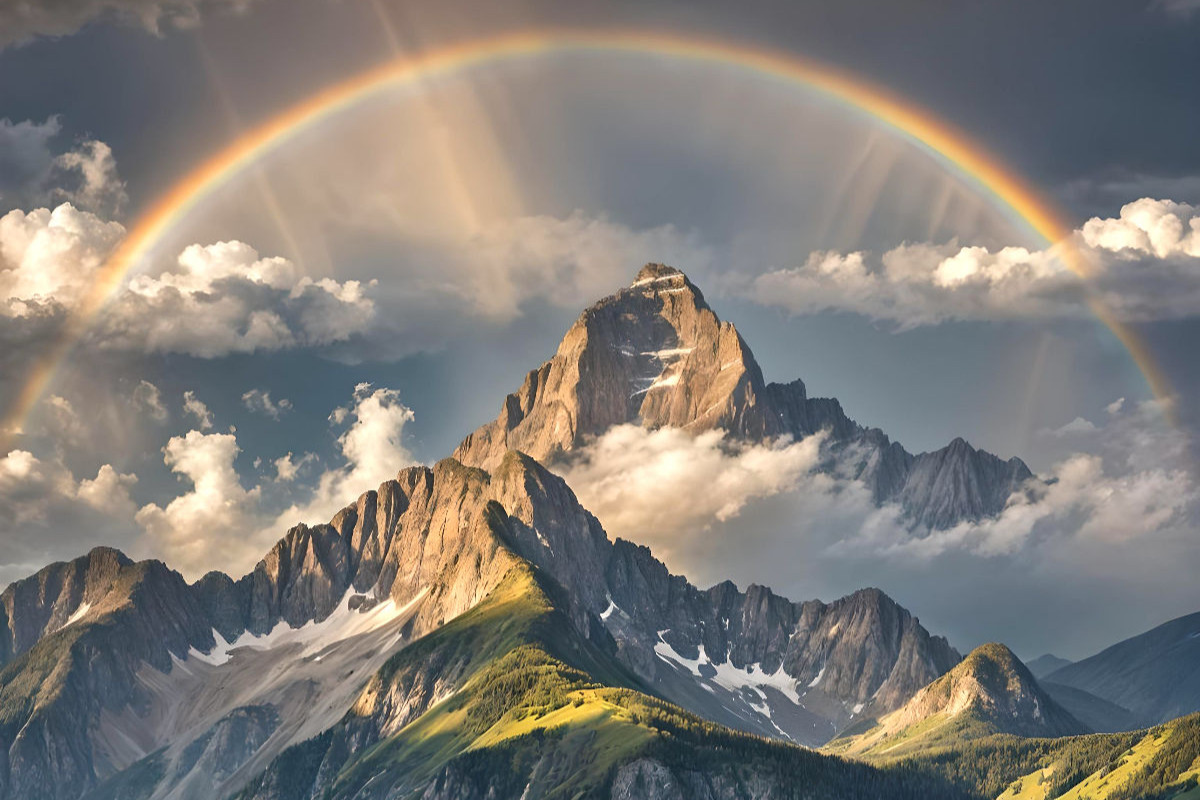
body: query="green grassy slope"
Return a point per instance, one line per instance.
(1162, 763)
(534, 710)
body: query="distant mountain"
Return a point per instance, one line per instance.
(656, 355)
(1045, 664)
(1156, 675)
(989, 692)
(1096, 713)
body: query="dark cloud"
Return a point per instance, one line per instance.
(36, 170)
(23, 21)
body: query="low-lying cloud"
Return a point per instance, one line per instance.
(663, 486)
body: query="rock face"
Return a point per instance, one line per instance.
(1153, 675)
(105, 620)
(762, 662)
(656, 355)
(990, 691)
(56, 596)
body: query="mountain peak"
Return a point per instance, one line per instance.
(990, 691)
(657, 272)
(652, 354)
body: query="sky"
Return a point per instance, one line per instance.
(359, 298)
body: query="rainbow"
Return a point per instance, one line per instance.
(936, 137)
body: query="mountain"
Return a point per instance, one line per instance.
(192, 690)
(1153, 675)
(364, 656)
(655, 354)
(989, 692)
(1096, 713)
(508, 701)
(1043, 665)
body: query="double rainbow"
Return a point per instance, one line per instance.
(1006, 189)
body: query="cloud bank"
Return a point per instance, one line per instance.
(219, 299)
(660, 487)
(1146, 267)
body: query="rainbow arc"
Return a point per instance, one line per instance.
(1000, 185)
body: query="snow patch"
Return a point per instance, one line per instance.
(673, 352)
(659, 279)
(727, 675)
(612, 606)
(79, 614)
(344, 623)
(821, 674)
(858, 707)
(658, 383)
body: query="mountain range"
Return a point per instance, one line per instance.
(469, 630)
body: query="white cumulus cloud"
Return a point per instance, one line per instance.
(373, 451)
(35, 170)
(51, 256)
(659, 487)
(218, 299)
(1144, 266)
(259, 401)
(209, 524)
(46, 513)
(224, 298)
(195, 407)
(218, 523)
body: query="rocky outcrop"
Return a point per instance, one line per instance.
(655, 354)
(57, 595)
(136, 616)
(993, 686)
